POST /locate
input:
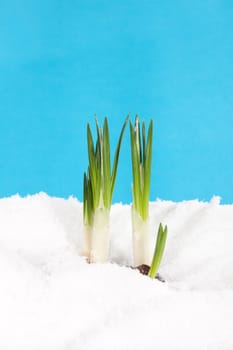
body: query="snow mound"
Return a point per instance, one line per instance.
(51, 299)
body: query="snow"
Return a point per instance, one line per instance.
(51, 299)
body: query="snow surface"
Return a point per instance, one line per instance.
(51, 299)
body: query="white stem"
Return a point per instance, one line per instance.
(87, 233)
(100, 236)
(140, 239)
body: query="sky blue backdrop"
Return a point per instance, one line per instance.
(63, 61)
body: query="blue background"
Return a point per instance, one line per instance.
(63, 61)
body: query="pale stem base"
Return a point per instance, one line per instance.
(87, 231)
(140, 239)
(96, 239)
(100, 236)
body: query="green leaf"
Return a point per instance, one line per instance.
(143, 143)
(116, 157)
(106, 167)
(90, 214)
(92, 159)
(98, 183)
(85, 198)
(159, 250)
(147, 171)
(141, 155)
(138, 138)
(135, 168)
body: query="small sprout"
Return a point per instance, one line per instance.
(159, 250)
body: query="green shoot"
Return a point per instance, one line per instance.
(98, 186)
(141, 153)
(159, 250)
(141, 156)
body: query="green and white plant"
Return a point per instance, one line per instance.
(159, 250)
(141, 156)
(98, 186)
